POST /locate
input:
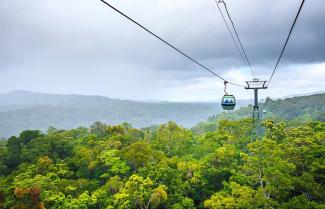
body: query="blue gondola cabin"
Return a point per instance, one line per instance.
(228, 102)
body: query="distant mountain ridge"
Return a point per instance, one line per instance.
(21, 110)
(302, 95)
(26, 98)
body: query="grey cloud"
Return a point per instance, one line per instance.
(78, 36)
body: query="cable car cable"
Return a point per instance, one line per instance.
(240, 43)
(287, 40)
(225, 89)
(170, 45)
(232, 36)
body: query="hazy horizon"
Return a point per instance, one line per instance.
(153, 101)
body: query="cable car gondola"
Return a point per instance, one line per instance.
(228, 102)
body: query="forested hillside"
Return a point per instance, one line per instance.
(165, 167)
(305, 108)
(27, 110)
(296, 111)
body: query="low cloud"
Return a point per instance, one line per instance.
(85, 47)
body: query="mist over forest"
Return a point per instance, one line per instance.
(21, 110)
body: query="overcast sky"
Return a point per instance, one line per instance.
(84, 47)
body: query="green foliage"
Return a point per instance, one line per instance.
(140, 192)
(235, 196)
(119, 167)
(173, 139)
(138, 154)
(113, 162)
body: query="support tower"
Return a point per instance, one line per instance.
(255, 85)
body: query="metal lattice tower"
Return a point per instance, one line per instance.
(255, 85)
